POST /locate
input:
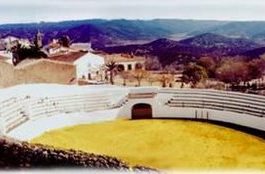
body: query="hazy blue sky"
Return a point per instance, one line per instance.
(12, 11)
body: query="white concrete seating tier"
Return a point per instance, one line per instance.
(118, 98)
(122, 101)
(23, 104)
(217, 100)
(17, 110)
(12, 113)
(229, 94)
(49, 106)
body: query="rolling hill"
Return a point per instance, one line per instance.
(169, 51)
(184, 40)
(110, 32)
(255, 53)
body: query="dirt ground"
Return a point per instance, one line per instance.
(164, 144)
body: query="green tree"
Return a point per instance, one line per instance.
(194, 74)
(20, 53)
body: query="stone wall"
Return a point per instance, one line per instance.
(19, 155)
(36, 71)
(29, 156)
(6, 74)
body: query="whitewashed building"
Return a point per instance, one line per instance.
(89, 66)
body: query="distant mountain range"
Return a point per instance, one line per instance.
(208, 44)
(182, 40)
(116, 32)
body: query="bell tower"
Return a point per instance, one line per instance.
(38, 39)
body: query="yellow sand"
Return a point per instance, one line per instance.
(164, 144)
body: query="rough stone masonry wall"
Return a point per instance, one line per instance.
(16, 154)
(45, 71)
(36, 71)
(6, 74)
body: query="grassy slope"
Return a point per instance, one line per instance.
(164, 144)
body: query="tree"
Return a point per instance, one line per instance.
(139, 75)
(170, 69)
(166, 79)
(65, 41)
(125, 75)
(256, 68)
(20, 53)
(233, 71)
(152, 64)
(151, 79)
(111, 67)
(163, 80)
(194, 74)
(209, 64)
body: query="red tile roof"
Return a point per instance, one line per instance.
(69, 57)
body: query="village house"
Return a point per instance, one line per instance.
(89, 66)
(126, 62)
(8, 42)
(62, 69)
(55, 47)
(64, 65)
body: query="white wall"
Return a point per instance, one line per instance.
(160, 110)
(33, 102)
(54, 102)
(89, 63)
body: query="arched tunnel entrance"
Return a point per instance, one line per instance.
(142, 111)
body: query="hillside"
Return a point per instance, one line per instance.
(184, 40)
(255, 53)
(120, 31)
(169, 51)
(221, 45)
(249, 29)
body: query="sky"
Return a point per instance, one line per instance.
(23, 11)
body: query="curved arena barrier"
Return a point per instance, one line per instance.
(27, 111)
(198, 104)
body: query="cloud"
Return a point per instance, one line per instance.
(44, 10)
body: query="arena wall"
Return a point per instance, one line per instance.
(25, 108)
(253, 118)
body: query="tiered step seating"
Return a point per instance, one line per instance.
(49, 106)
(12, 113)
(123, 100)
(218, 100)
(41, 107)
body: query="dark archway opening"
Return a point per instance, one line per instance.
(142, 111)
(120, 68)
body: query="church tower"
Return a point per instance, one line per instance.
(38, 39)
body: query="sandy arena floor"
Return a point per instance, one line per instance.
(164, 144)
